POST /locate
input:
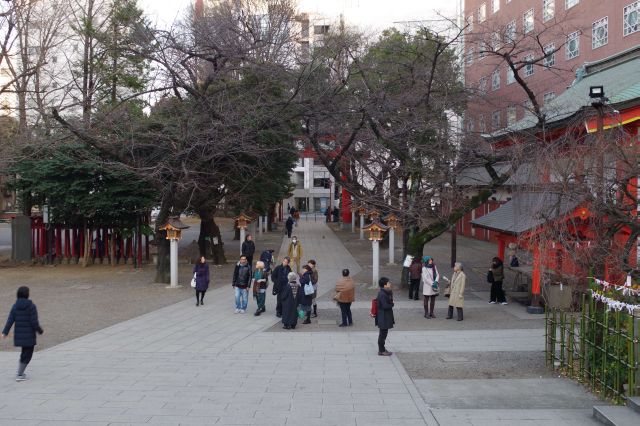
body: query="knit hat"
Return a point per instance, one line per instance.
(425, 259)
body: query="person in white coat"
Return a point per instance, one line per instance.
(430, 286)
(456, 298)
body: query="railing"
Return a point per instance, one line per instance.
(597, 347)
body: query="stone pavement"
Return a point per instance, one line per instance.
(187, 365)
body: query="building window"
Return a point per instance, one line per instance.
(470, 23)
(321, 29)
(321, 180)
(568, 4)
(528, 67)
(527, 21)
(482, 13)
(495, 120)
(495, 5)
(482, 126)
(510, 76)
(510, 32)
(511, 115)
(482, 85)
(600, 33)
(548, 9)
(495, 80)
(482, 51)
(631, 18)
(550, 55)
(573, 45)
(548, 97)
(470, 125)
(470, 54)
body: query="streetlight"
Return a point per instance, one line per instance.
(376, 229)
(243, 221)
(361, 211)
(173, 227)
(392, 223)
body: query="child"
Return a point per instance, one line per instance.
(25, 316)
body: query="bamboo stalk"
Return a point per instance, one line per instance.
(563, 319)
(583, 331)
(571, 336)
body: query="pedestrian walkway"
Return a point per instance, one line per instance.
(187, 365)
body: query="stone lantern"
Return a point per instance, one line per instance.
(243, 222)
(374, 215)
(173, 227)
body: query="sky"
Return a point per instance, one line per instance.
(370, 15)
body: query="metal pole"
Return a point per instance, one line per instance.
(362, 227)
(392, 246)
(353, 222)
(260, 225)
(376, 262)
(242, 236)
(174, 263)
(454, 244)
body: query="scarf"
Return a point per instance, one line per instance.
(435, 271)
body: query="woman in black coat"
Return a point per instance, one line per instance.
(305, 300)
(25, 317)
(201, 271)
(289, 296)
(384, 319)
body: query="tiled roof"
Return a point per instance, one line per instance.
(526, 211)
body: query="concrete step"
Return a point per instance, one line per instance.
(634, 403)
(616, 415)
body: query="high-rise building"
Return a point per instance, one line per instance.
(557, 36)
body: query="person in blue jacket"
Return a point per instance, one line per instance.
(25, 317)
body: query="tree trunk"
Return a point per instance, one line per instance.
(163, 269)
(210, 234)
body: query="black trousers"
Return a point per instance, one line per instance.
(382, 337)
(289, 233)
(26, 354)
(497, 293)
(345, 310)
(200, 295)
(414, 287)
(279, 307)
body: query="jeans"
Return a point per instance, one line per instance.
(242, 298)
(497, 293)
(382, 337)
(345, 310)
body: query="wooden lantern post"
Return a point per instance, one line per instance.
(243, 221)
(174, 228)
(376, 230)
(392, 223)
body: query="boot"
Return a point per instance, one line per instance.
(308, 319)
(315, 311)
(459, 310)
(450, 312)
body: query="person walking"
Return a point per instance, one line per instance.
(314, 281)
(384, 318)
(24, 315)
(260, 284)
(248, 248)
(456, 297)
(415, 273)
(266, 257)
(496, 277)
(430, 286)
(295, 254)
(241, 281)
(201, 272)
(279, 276)
(289, 226)
(345, 295)
(289, 293)
(304, 299)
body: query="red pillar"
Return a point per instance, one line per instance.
(536, 277)
(346, 203)
(501, 247)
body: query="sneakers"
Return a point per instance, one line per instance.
(492, 303)
(385, 353)
(242, 311)
(21, 378)
(237, 311)
(504, 303)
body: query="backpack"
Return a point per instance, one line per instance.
(374, 308)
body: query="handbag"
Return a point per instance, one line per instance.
(308, 289)
(301, 313)
(490, 277)
(447, 291)
(193, 280)
(336, 296)
(434, 286)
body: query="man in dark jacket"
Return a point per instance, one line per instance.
(248, 249)
(279, 276)
(25, 317)
(289, 226)
(241, 281)
(384, 319)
